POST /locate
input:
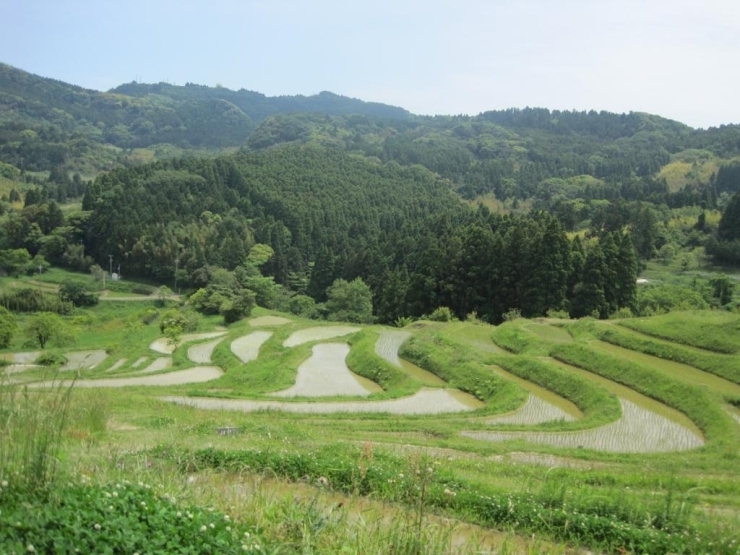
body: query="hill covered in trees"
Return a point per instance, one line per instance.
(466, 212)
(45, 123)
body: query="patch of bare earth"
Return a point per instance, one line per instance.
(247, 347)
(325, 374)
(424, 401)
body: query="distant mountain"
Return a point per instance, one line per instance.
(549, 157)
(46, 123)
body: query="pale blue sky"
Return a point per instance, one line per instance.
(675, 58)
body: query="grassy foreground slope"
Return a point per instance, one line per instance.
(353, 482)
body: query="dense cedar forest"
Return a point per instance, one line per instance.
(526, 211)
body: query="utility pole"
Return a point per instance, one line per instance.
(110, 265)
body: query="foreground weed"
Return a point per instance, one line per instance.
(31, 427)
(122, 518)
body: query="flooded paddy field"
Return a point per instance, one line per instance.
(198, 374)
(308, 335)
(247, 347)
(165, 347)
(201, 353)
(326, 374)
(425, 401)
(534, 411)
(637, 431)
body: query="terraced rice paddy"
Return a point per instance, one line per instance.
(645, 426)
(139, 361)
(295, 396)
(425, 401)
(550, 333)
(247, 347)
(388, 344)
(268, 321)
(308, 335)
(560, 406)
(198, 374)
(625, 393)
(118, 364)
(534, 411)
(638, 431)
(27, 357)
(83, 360)
(202, 352)
(713, 331)
(157, 365)
(673, 369)
(325, 374)
(165, 347)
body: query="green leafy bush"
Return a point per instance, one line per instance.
(441, 314)
(51, 359)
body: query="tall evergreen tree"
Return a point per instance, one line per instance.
(626, 273)
(588, 295)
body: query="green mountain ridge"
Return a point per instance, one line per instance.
(554, 160)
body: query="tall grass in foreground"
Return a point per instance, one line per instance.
(613, 521)
(31, 427)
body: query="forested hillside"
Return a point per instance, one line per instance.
(525, 211)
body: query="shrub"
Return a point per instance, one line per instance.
(76, 293)
(441, 314)
(184, 320)
(8, 327)
(511, 314)
(149, 315)
(51, 359)
(403, 321)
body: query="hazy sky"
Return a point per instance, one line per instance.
(676, 58)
